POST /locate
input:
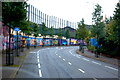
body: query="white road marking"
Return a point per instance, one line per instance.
(56, 54)
(81, 70)
(73, 55)
(85, 59)
(79, 55)
(63, 59)
(40, 73)
(59, 56)
(37, 54)
(38, 57)
(96, 63)
(95, 79)
(38, 51)
(39, 65)
(38, 60)
(70, 52)
(32, 52)
(69, 63)
(111, 68)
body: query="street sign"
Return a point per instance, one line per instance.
(16, 29)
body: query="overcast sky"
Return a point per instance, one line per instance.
(74, 10)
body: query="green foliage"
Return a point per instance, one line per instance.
(44, 29)
(35, 29)
(59, 33)
(110, 31)
(98, 28)
(117, 19)
(51, 31)
(97, 14)
(108, 35)
(67, 34)
(91, 48)
(13, 13)
(81, 32)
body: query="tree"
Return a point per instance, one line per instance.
(27, 27)
(98, 30)
(51, 31)
(117, 19)
(35, 29)
(67, 34)
(13, 12)
(81, 32)
(117, 30)
(35, 32)
(59, 33)
(110, 38)
(43, 30)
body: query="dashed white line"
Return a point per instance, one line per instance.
(63, 59)
(38, 57)
(59, 56)
(81, 70)
(96, 63)
(111, 68)
(38, 60)
(37, 54)
(39, 65)
(40, 73)
(85, 59)
(69, 63)
(32, 52)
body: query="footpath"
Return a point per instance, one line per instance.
(11, 70)
(100, 58)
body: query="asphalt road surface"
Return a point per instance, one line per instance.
(63, 62)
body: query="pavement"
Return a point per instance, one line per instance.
(110, 60)
(9, 71)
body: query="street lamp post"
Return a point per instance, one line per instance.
(81, 48)
(17, 45)
(9, 51)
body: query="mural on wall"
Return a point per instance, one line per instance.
(73, 41)
(32, 42)
(5, 37)
(47, 42)
(64, 42)
(55, 42)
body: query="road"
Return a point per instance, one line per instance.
(63, 62)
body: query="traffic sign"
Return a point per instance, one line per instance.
(16, 29)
